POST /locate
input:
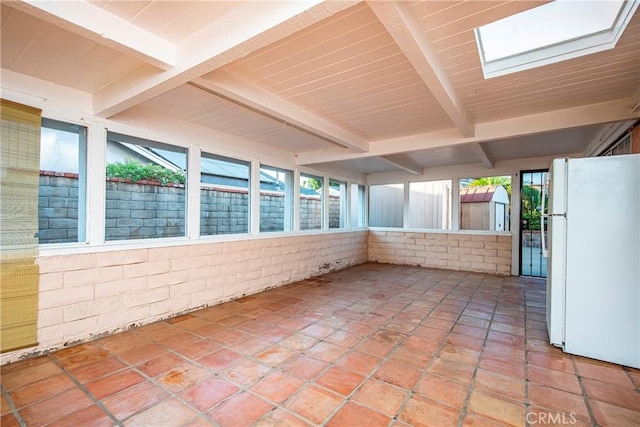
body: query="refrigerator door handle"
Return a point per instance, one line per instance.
(545, 186)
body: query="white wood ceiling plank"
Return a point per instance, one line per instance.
(330, 78)
(381, 106)
(310, 54)
(410, 105)
(547, 121)
(466, 16)
(350, 58)
(198, 16)
(285, 53)
(594, 86)
(543, 79)
(399, 20)
(227, 85)
(366, 100)
(158, 14)
(98, 67)
(124, 9)
(456, 44)
(232, 36)
(23, 31)
(64, 49)
(87, 20)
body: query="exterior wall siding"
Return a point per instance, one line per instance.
(486, 253)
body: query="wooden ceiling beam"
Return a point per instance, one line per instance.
(403, 162)
(549, 121)
(234, 89)
(250, 27)
(401, 23)
(96, 24)
(607, 136)
(482, 154)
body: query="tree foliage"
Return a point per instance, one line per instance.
(505, 181)
(135, 171)
(531, 207)
(313, 183)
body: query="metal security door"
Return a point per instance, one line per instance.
(532, 263)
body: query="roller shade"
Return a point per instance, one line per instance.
(19, 175)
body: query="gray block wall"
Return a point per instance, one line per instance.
(137, 211)
(58, 209)
(223, 212)
(142, 211)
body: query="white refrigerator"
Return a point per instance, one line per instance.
(593, 250)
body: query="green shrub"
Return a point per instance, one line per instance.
(135, 171)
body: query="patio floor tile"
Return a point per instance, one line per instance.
(369, 345)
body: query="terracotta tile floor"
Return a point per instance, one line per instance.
(370, 345)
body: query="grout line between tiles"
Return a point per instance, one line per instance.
(587, 401)
(86, 391)
(12, 406)
(467, 400)
(481, 296)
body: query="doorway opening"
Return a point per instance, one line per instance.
(532, 263)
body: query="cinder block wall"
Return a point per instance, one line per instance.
(150, 210)
(486, 253)
(84, 295)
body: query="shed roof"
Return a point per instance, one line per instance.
(478, 194)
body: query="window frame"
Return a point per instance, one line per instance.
(148, 143)
(322, 194)
(446, 211)
(343, 210)
(82, 180)
(287, 199)
(399, 186)
(203, 185)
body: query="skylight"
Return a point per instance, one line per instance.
(553, 32)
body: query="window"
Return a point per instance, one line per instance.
(145, 195)
(311, 202)
(337, 204)
(550, 33)
(62, 186)
(357, 218)
(276, 199)
(386, 205)
(620, 147)
(224, 195)
(430, 205)
(485, 203)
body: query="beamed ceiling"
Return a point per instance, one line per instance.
(360, 85)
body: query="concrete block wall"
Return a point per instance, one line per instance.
(89, 294)
(223, 211)
(58, 207)
(482, 252)
(138, 211)
(150, 210)
(310, 213)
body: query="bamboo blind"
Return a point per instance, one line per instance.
(19, 174)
